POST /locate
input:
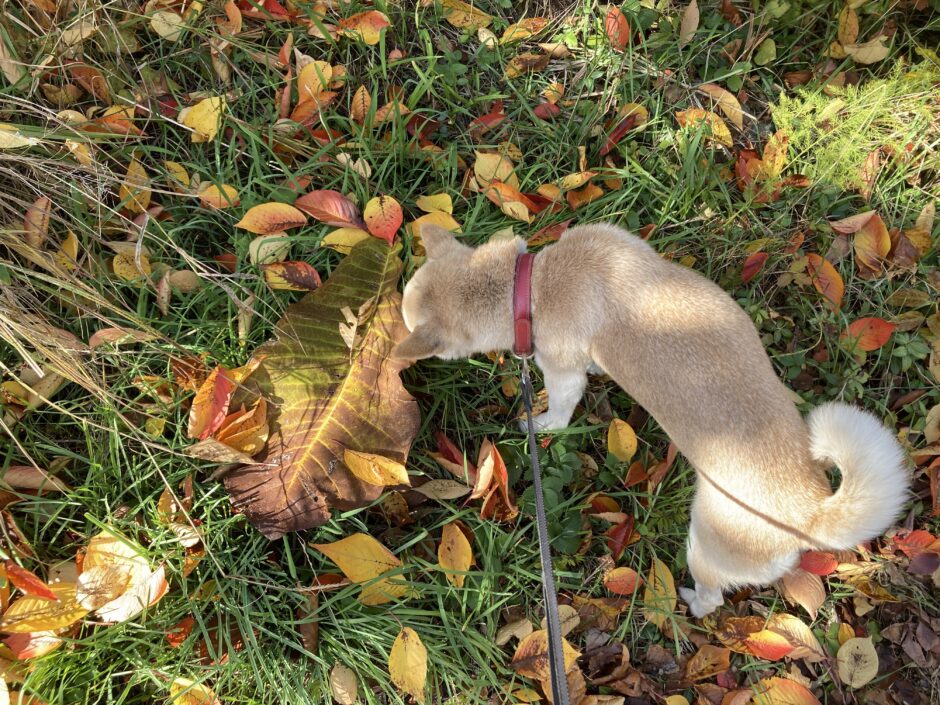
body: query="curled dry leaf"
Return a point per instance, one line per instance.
(271, 218)
(364, 560)
(531, 657)
(454, 554)
(804, 589)
(408, 664)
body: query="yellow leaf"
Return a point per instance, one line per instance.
(659, 599)
(465, 16)
(33, 614)
(12, 138)
(408, 664)
(343, 684)
(621, 440)
(531, 657)
(135, 189)
(727, 103)
(183, 691)
(344, 239)
(925, 219)
(775, 155)
(689, 23)
(266, 249)
(367, 26)
(271, 218)
(168, 25)
(695, 116)
(435, 203)
(129, 268)
(375, 469)
(848, 25)
(214, 196)
(494, 167)
(454, 554)
(553, 92)
(67, 256)
(576, 180)
(857, 662)
(313, 79)
(523, 29)
(439, 218)
(868, 52)
(203, 118)
(676, 700)
(178, 174)
(363, 559)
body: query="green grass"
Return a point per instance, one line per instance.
(251, 591)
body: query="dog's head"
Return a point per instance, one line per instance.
(459, 302)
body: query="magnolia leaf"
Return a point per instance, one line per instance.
(857, 662)
(454, 554)
(337, 388)
(408, 664)
(659, 599)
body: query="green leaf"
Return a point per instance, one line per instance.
(330, 378)
(766, 52)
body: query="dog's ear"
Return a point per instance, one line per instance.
(421, 343)
(439, 242)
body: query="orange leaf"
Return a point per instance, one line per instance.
(210, 405)
(621, 581)
(332, 208)
(582, 197)
(293, 276)
(383, 217)
(868, 334)
(617, 28)
(367, 26)
(454, 554)
(498, 502)
(872, 245)
(752, 265)
(782, 691)
(768, 645)
(213, 196)
(819, 562)
(36, 222)
(361, 103)
(510, 200)
(270, 218)
(826, 279)
(29, 582)
(92, 80)
(708, 661)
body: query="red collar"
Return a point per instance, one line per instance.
(522, 305)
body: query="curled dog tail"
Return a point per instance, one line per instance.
(875, 478)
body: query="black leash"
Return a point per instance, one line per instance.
(556, 656)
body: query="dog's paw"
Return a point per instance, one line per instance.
(697, 607)
(543, 423)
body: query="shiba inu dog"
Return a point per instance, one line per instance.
(689, 355)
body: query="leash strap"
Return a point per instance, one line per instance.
(556, 656)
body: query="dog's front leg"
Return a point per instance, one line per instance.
(565, 387)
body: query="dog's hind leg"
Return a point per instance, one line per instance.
(707, 595)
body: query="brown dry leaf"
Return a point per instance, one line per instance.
(36, 221)
(804, 589)
(531, 657)
(363, 560)
(523, 29)
(454, 554)
(708, 661)
(689, 23)
(408, 664)
(343, 684)
(848, 26)
(857, 662)
(727, 103)
(526, 62)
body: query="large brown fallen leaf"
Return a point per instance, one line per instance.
(332, 386)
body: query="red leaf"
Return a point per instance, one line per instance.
(546, 111)
(383, 216)
(617, 28)
(422, 127)
(618, 132)
(549, 233)
(332, 208)
(483, 124)
(228, 261)
(29, 582)
(868, 333)
(818, 562)
(210, 405)
(618, 537)
(178, 633)
(746, 168)
(752, 265)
